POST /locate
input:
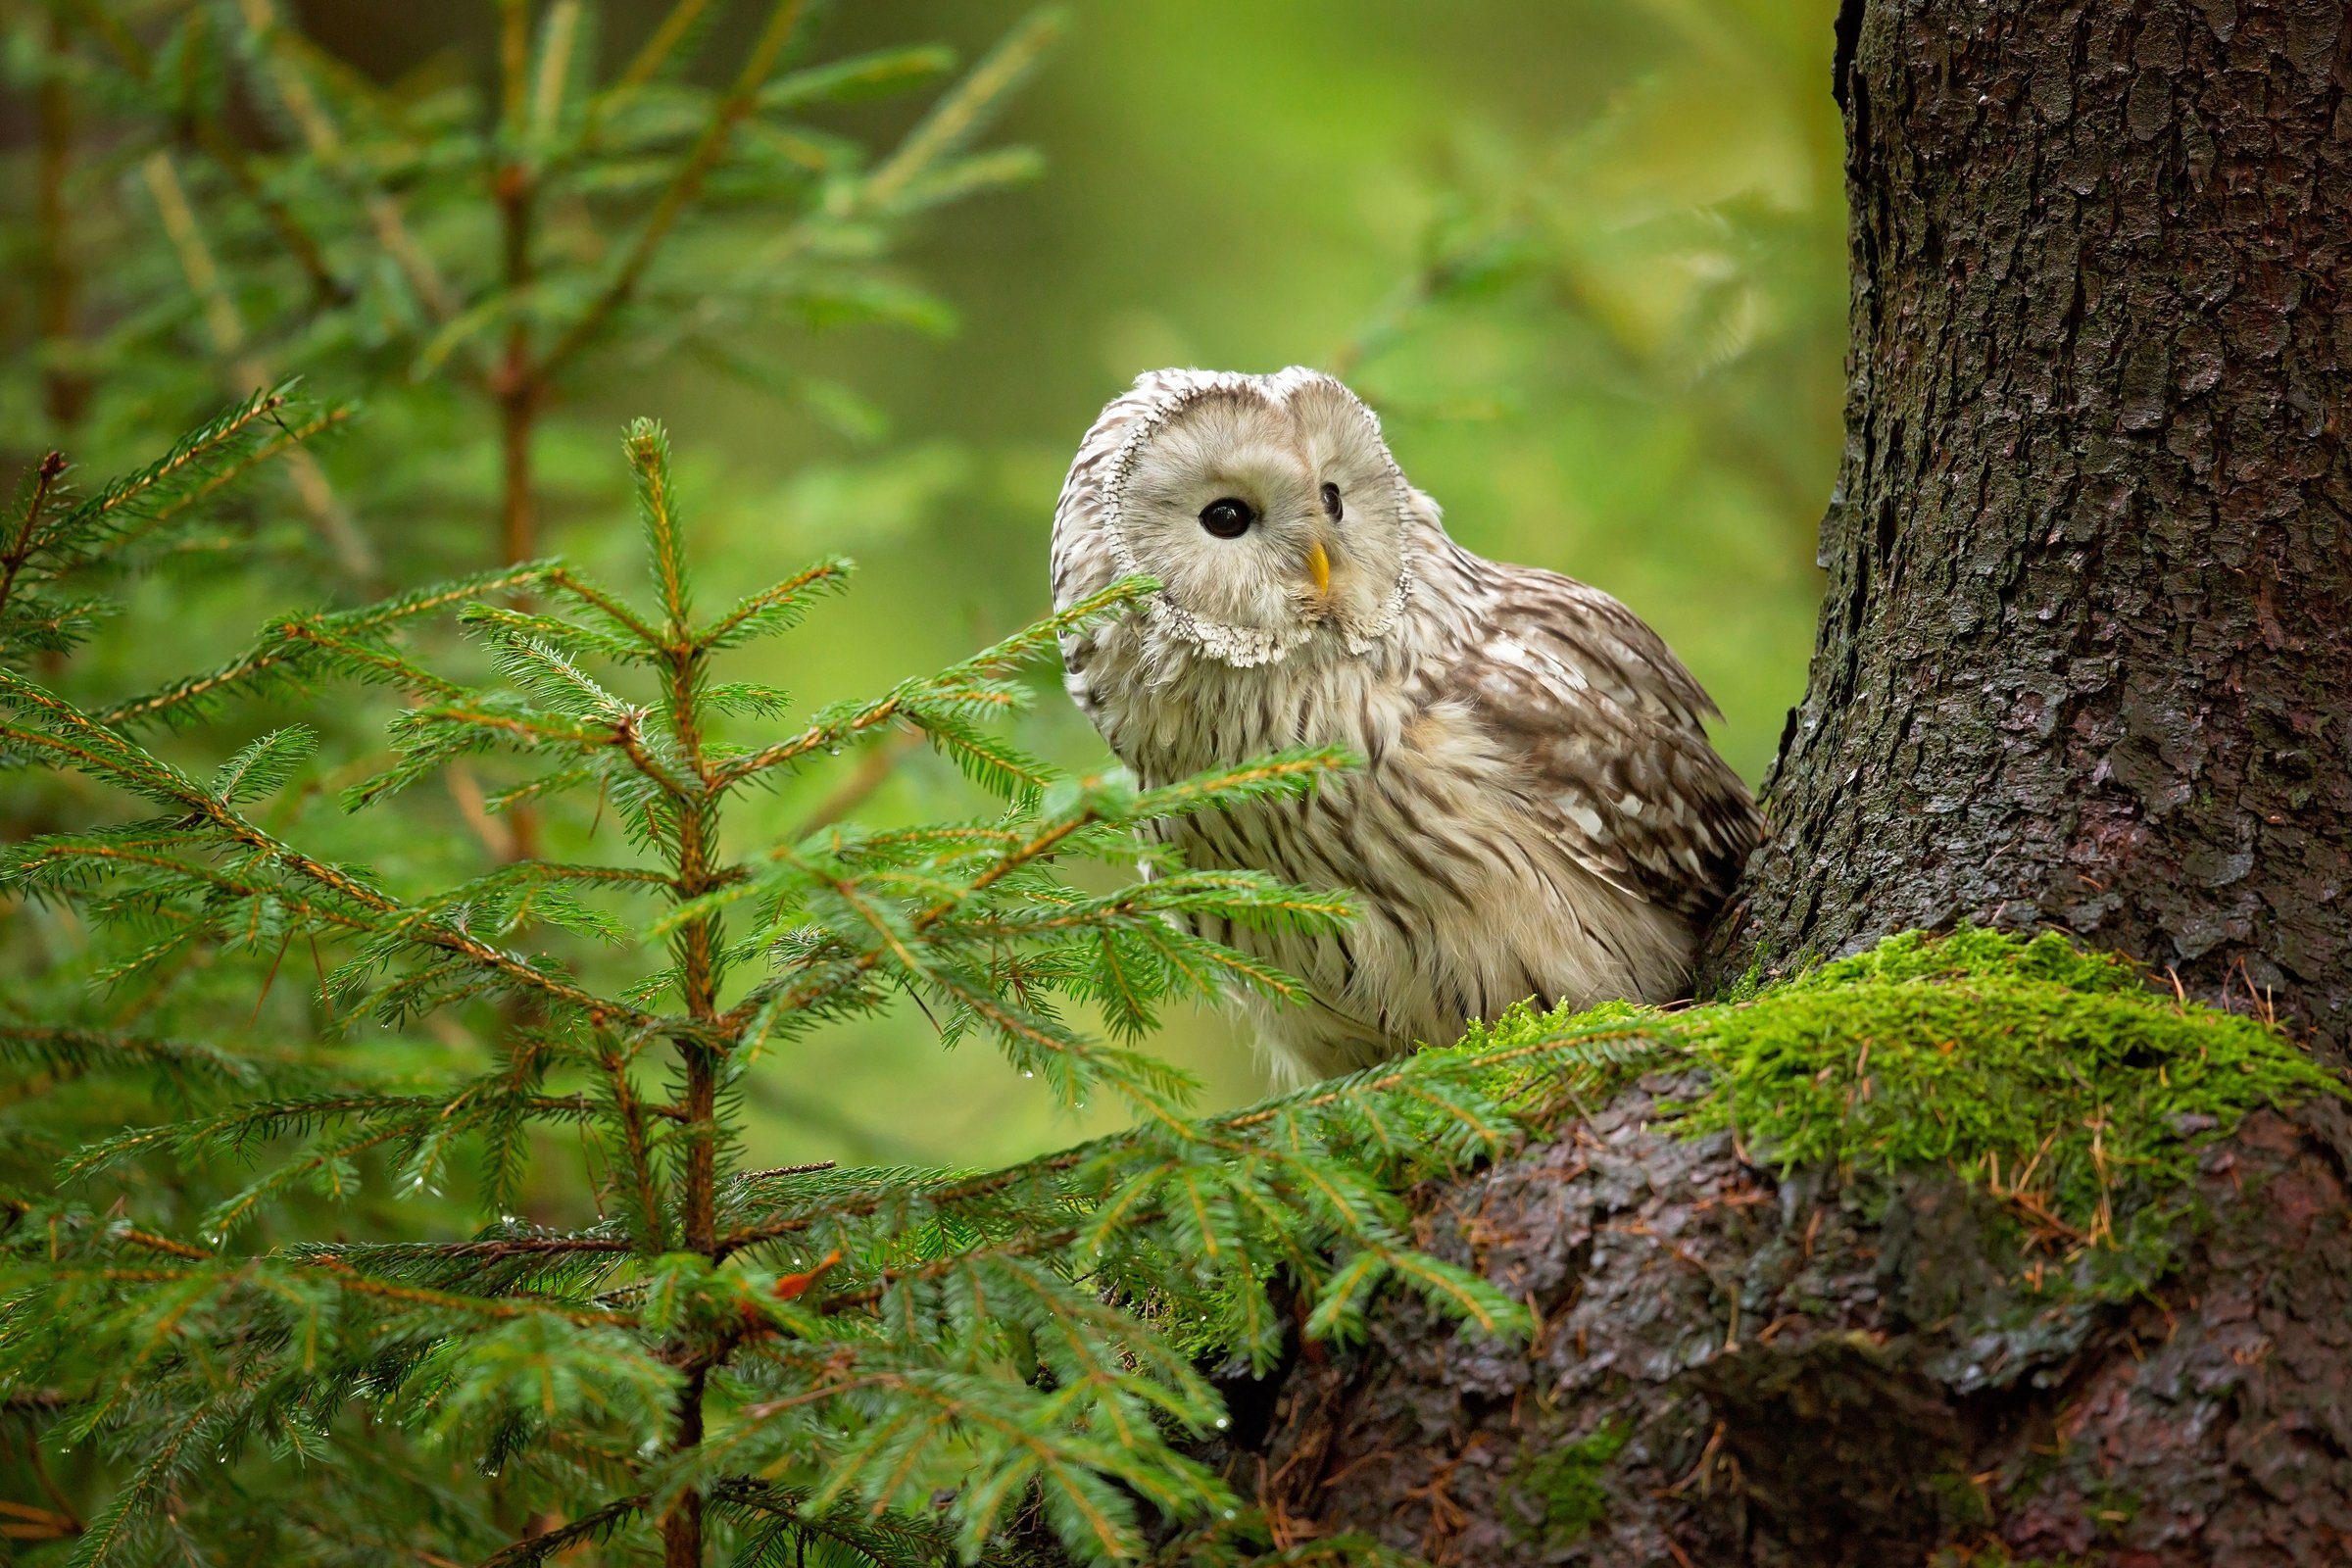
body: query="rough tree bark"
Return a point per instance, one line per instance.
(2086, 653)
(2086, 661)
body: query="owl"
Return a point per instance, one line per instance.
(1537, 815)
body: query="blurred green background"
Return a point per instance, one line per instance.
(1585, 256)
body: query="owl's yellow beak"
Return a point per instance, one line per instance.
(1318, 565)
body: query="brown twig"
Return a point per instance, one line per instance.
(29, 527)
(772, 1173)
(497, 838)
(246, 368)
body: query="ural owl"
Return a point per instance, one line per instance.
(1539, 813)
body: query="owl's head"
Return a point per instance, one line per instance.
(1267, 507)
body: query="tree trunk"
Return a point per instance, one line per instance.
(2087, 662)
(2086, 655)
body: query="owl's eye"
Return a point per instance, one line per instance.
(1331, 501)
(1228, 518)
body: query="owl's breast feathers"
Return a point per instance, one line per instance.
(1590, 724)
(1607, 732)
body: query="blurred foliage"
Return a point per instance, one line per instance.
(1585, 255)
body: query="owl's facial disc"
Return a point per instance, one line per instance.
(1269, 507)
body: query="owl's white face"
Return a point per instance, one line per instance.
(1270, 504)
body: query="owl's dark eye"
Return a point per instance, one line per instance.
(1228, 518)
(1331, 501)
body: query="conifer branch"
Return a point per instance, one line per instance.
(675, 26)
(197, 450)
(887, 1336)
(319, 130)
(107, 755)
(637, 1148)
(817, 737)
(51, 468)
(562, 579)
(246, 368)
(959, 115)
(358, 656)
(288, 437)
(763, 604)
(85, 1049)
(224, 150)
(509, 1308)
(626, 735)
(594, 1525)
(280, 650)
(684, 186)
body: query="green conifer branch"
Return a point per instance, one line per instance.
(684, 187)
(862, 1337)
(281, 651)
(286, 66)
(32, 510)
(223, 148)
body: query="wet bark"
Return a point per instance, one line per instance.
(2086, 661)
(2086, 653)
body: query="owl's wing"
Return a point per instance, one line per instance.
(1611, 732)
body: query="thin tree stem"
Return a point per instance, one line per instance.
(696, 947)
(65, 391)
(518, 524)
(682, 1526)
(700, 1115)
(518, 381)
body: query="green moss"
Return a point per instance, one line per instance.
(2056, 1080)
(1564, 1487)
(1964, 1502)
